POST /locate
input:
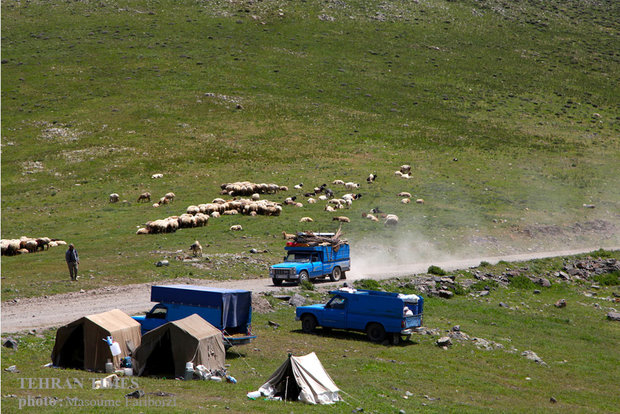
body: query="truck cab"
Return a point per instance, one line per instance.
(304, 262)
(229, 310)
(379, 314)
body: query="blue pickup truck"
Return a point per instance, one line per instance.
(377, 313)
(305, 262)
(229, 310)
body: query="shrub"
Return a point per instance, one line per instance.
(484, 263)
(608, 279)
(436, 270)
(483, 284)
(306, 285)
(369, 284)
(522, 282)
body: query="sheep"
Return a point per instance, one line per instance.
(158, 175)
(170, 197)
(255, 196)
(311, 201)
(329, 209)
(391, 220)
(192, 210)
(406, 176)
(215, 214)
(236, 227)
(43, 242)
(398, 173)
(283, 188)
(253, 214)
(405, 169)
(142, 230)
(329, 193)
(371, 217)
(342, 219)
(306, 220)
(298, 186)
(420, 201)
(230, 212)
(144, 197)
(53, 244)
(218, 201)
(351, 185)
(290, 200)
(371, 178)
(405, 200)
(298, 205)
(322, 197)
(155, 205)
(338, 182)
(288, 236)
(60, 242)
(404, 194)
(318, 190)
(196, 248)
(163, 200)
(114, 198)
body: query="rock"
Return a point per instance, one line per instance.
(563, 275)
(614, 316)
(253, 251)
(543, 282)
(162, 263)
(552, 400)
(484, 293)
(274, 324)
(456, 328)
(135, 394)
(503, 305)
(10, 343)
(12, 368)
(560, 303)
(531, 355)
(536, 291)
(444, 341)
(446, 294)
(297, 300)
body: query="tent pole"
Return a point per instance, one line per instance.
(286, 389)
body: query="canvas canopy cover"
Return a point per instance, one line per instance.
(302, 378)
(166, 350)
(81, 344)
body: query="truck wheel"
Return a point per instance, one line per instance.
(308, 323)
(395, 338)
(375, 332)
(303, 275)
(277, 282)
(336, 274)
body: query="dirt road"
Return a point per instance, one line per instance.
(57, 310)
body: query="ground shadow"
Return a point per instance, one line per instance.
(354, 336)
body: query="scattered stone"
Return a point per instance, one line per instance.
(531, 355)
(297, 300)
(553, 400)
(560, 303)
(536, 291)
(543, 282)
(503, 305)
(444, 342)
(136, 394)
(253, 251)
(274, 324)
(162, 263)
(408, 394)
(10, 343)
(484, 293)
(456, 328)
(446, 294)
(614, 316)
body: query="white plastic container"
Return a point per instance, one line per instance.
(115, 348)
(189, 371)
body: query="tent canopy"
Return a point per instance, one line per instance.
(166, 350)
(81, 345)
(302, 378)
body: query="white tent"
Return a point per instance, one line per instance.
(302, 378)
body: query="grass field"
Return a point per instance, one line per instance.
(507, 111)
(577, 344)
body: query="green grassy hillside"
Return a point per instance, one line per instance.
(508, 113)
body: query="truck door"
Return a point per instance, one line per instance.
(317, 265)
(336, 313)
(155, 317)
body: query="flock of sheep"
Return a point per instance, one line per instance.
(198, 215)
(11, 247)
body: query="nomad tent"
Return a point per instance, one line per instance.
(302, 378)
(166, 350)
(81, 344)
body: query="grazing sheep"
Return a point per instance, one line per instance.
(114, 198)
(288, 236)
(255, 197)
(318, 190)
(371, 217)
(163, 200)
(298, 205)
(30, 245)
(158, 175)
(43, 242)
(338, 182)
(311, 201)
(218, 201)
(298, 186)
(404, 194)
(142, 230)
(342, 219)
(196, 248)
(391, 220)
(290, 200)
(170, 197)
(398, 173)
(405, 200)
(405, 169)
(192, 210)
(406, 176)
(329, 209)
(371, 178)
(236, 227)
(155, 205)
(230, 212)
(283, 188)
(253, 214)
(351, 185)
(329, 193)
(306, 220)
(420, 201)
(144, 197)
(22, 251)
(322, 197)
(215, 214)
(60, 242)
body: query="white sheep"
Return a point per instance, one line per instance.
(311, 200)
(114, 198)
(196, 248)
(298, 186)
(193, 210)
(405, 169)
(398, 173)
(298, 205)
(306, 220)
(158, 175)
(342, 219)
(322, 197)
(144, 197)
(255, 196)
(406, 176)
(215, 214)
(351, 185)
(338, 182)
(142, 230)
(405, 200)
(420, 201)
(391, 220)
(170, 197)
(404, 194)
(236, 227)
(329, 209)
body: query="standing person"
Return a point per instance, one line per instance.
(73, 260)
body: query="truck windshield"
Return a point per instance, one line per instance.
(298, 257)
